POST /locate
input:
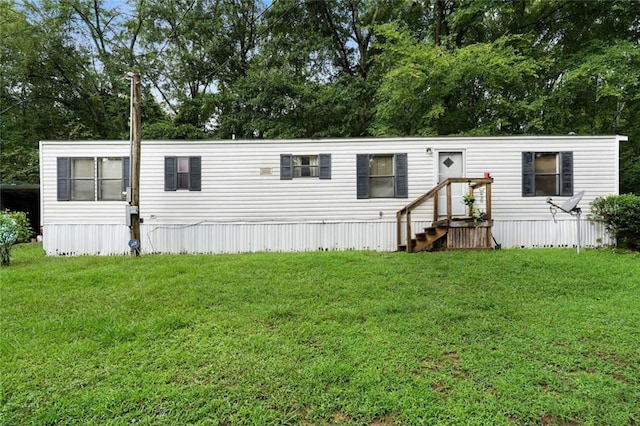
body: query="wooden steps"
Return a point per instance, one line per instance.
(458, 234)
(448, 232)
(426, 241)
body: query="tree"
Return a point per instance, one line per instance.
(195, 49)
(302, 68)
(476, 89)
(313, 74)
(63, 77)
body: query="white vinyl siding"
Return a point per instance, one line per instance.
(241, 187)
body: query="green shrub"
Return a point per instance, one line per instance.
(621, 217)
(23, 228)
(14, 228)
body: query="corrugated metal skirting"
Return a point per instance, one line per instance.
(78, 240)
(258, 237)
(204, 237)
(541, 233)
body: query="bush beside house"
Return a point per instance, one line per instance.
(14, 228)
(621, 217)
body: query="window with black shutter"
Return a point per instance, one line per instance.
(90, 179)
(305, 166)
(547, 174)
(382, 176)
(182, 173)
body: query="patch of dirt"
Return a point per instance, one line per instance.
(340, 417)
(547, 388)
(385, 421)
(613, 358)
(451, 357)
(548, 420)
(619, 377)
(440, 388)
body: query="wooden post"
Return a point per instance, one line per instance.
(136, 138)
(435, 206)
(409, 243)
(449, 209)
(398, 229)
(488, 201)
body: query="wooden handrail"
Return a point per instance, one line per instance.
(474, 183)
(415, 203)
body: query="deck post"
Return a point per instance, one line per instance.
(488, 201)
(409, 245)
(435, 207)
(449, 209)
(398, 229)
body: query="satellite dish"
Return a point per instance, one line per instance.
(570, 206)
(572, 202)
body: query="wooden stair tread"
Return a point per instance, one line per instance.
(425, 240)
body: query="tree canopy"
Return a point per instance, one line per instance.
(219, 69)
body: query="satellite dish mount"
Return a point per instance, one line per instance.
(571, 207)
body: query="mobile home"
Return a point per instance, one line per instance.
(315, 194)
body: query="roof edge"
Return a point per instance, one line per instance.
(619, 138)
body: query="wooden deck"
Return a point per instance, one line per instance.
(447, 232)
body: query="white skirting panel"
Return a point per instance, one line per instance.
(259, 237)
(209, 237)
(546, 233)
(79, 240)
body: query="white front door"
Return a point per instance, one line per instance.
(451, 164)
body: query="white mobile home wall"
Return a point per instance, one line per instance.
(244, 206)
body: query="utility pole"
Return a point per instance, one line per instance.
(136, 137)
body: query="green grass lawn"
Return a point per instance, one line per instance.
(505, 337)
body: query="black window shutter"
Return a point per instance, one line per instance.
(528, 175)
(362, 175)
(402, 176)
(170, 173)
(286, 166)
(566, 172)
(63, 174)
(325, 166)
(126, 168)
(195, 174)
